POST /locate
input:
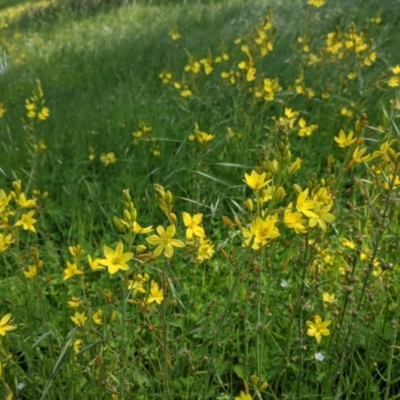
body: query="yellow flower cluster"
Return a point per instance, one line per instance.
(35, 105)
(342, 45)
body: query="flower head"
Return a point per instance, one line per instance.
(255, 181)
(318, 328)
(344, 141)
(243, 396)
(4, 325)
(71, 270)
(165, 241)
(27, 221)
(316, 3)
(97, 317)
(32, 272)
(79, 319)
(95, 264)
(156, 294)
(294, 220)
(193, 225)
(116, 259)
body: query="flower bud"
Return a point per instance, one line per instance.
(264, 385)
(119, 223)
(17, 186)
(126, 195)
(127, 216)
(295, 166)
(172, 218)
(226, 220)
(391, 154)
(249, 204)
(280, 193)
(140, 248)
(254, 379)
(297, 188)
(272, 167)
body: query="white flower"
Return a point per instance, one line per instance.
(284, 283)
(319, 356)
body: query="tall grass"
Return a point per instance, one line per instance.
(199, 199)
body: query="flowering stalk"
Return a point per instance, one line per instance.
(224, 315)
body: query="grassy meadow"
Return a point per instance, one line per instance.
(199, 199)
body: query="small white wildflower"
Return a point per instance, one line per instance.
(21, 386)
(284, 283)
(319, 356)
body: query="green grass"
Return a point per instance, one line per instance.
(238, 319)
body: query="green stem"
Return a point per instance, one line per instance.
(222, 320)
(165, 331)
(391, 354)
(125, 297)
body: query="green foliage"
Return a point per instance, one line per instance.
(199, 199)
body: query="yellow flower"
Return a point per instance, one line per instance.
(262, 231)
(32, 271)
(243, 396)
(348, 243)
(108, 158)
(328, 298)
(205, 250)
(323, 196)
(25, 203)
(318, 329)
(316, 3)
(203, 137)
(370, 59)
(5, 241)
(27, 221)
(174, 33)
(304, 129)
(188, 93)
(394, 81)
(77, 345)
(71, 270)
(44, 114)
(2, 110)
(164, 241)
(116, 259)
(193, 225)
(255, 181)
(322, 215)
(79, 319)
(346, 112)
(98, 317)
(31, 108)
(137, 229)
(305, 205)
(251, 74)
(95, 264)
(358, 157)
(156, 294)
(396, 69)
(76, 251)
(4, 326)
(136, 285)
(74, 302)
(294, 220)
(344, 141)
